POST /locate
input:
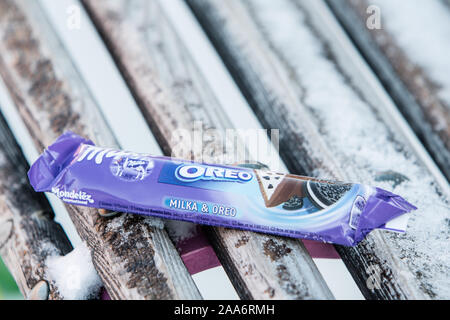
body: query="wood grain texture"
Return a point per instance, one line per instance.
(261, 44)
(132, 254)
(173, 95)
(28, 233)
(413, 90)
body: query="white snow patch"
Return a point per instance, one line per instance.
(48, 249)
(422, 30)
(180, 230)
(116, 225)
(360, 142)
(154, 222)
(74, 274)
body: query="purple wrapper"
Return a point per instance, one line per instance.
(263, 201)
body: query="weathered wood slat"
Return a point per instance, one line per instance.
(414, 91)
(173, 95)
(28, 233)
(132, 254)
(301, 75)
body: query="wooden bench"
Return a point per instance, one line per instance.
(177, 80)
(415, 91)
(272, 67)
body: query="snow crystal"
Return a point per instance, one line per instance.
(154, 222)
(48, 248)
(422, 30)
(74, 274)
(362, 144)
(116, 225)
(180, 230)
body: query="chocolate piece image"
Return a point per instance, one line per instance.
(278, 188)
(324, 195)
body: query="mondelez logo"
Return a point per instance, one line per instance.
(194, 172)
(75, 196)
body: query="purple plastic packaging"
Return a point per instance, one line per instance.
(236, 197)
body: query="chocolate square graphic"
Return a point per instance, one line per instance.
(277, 188)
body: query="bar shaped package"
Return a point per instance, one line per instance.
(236, 197)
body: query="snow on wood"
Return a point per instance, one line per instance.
(74, 274)
(180, 230)
(408, 53)
(28, 233)
(51, 98)
(426, 41)
(173, 94)
(302, 76)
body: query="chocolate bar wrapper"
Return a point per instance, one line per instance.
(236, 197)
